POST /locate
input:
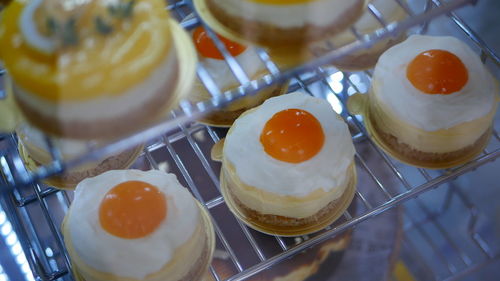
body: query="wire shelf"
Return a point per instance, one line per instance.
(183, 147)
(451, 255)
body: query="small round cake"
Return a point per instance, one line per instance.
(133, 225)
(35, 153)
(432, 102)
(367, 24)
(278, 23)
(218, 68)
(90, 69)
(288, 166)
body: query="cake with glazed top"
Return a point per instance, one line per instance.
(89, 69)
(217, 67)
(295, 174)
(129, 225)
(432, 102)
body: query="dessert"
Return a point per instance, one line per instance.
(367, 24)
(295, 174)
(34, 152)
(215, 64)
(145, 226)
(276, 23)
(90, 69)
(432, 102)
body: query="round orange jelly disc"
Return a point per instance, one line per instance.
(437, 72)
(207, 48)
(293, 136)
(132, 209)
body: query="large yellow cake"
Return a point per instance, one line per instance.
(89, 69)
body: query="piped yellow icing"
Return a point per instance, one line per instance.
(99, 65)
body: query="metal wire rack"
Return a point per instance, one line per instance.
(450, 256)
(181, 147)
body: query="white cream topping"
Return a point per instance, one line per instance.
(106, 106)
(318, 13)
(256, 168)
(223, 76)
(433, 112)
(133, 258)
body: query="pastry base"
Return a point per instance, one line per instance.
(226, 118)
(135, 119)
(199, 267)
(287, 226)
(270, 35)
(407, 154)
(360, 104)
(69, 180)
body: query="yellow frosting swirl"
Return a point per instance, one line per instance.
(99, 63)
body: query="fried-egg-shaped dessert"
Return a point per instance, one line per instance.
(214, 62)
(288, 166)
(432, 102)
(136, 225)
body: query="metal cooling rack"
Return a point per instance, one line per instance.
(183, 148)
(440, 255)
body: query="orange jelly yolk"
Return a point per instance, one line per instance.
(293, 136)
(207, 48)
(132, 209)
(437, 72)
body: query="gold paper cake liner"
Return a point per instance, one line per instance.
(359, 104)
(58, 182)
(196, 275)
(341, 204)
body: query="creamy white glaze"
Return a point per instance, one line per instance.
(256, 168)
(134, 258)
(222, 74)
(105, 106)
(433, 112)
(318, 13)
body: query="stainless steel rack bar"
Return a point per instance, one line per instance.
(190, 112)
(32, 207)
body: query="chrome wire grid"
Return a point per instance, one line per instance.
(36, 211)
(443, 253)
